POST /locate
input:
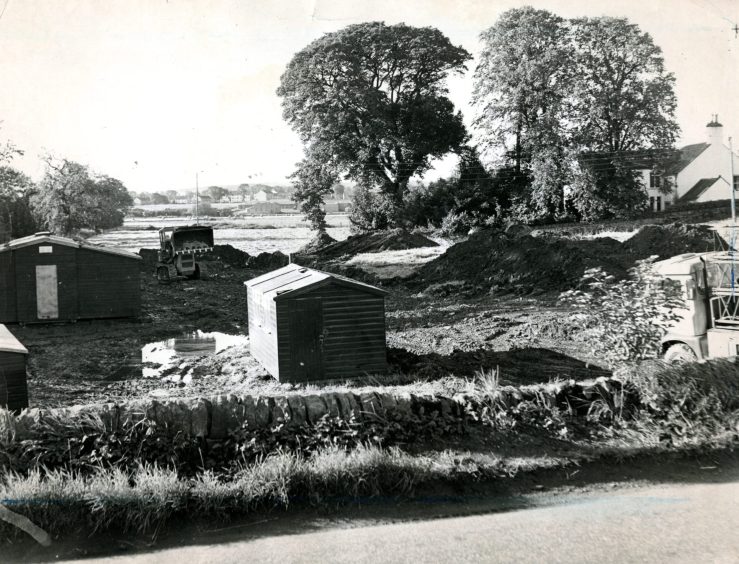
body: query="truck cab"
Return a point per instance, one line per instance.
(708, 326)
(179, 248)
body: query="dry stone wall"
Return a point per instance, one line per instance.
(215, 417)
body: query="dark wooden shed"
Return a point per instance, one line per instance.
(13, 383)
(49, 278)
(307, 325)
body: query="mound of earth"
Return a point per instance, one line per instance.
(392, 240)
(315, 245)
(268, 261)
(674, 239)
(228, 255)
(491, 260)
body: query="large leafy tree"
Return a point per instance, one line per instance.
(623, 98)
(371, 98)
(70, 198)
(16, 219)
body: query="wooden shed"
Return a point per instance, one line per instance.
(13, 384)
(49, 278)
(307, 325)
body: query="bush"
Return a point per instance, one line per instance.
(625, 320)
(370, 211)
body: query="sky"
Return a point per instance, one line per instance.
(153, 92)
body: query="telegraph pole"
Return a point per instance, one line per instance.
(731, 183)
(197, 200)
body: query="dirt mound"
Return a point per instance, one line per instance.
(268, 261)
(316, 244)
(393, 240)
(491, 260)
(229, 255)
(673, 239)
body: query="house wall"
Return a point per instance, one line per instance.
(108, 285)
(718, 191)
(712, 162)
(353, 333)
(13, 385)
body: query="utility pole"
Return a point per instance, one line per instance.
(197, 200)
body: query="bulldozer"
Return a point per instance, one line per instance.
(178, 251)
(708, 326)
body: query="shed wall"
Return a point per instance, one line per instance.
(13, 386)
(353, 333)
(263, 331)
(8, 310)
(108, 285)
(26, 259)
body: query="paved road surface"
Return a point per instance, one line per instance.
(671, 523)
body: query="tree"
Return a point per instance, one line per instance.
(171, 196)
(372, 99)
(216, 193)
(623, 99)
(159, 199)
(313, 181)
(70, 198)
(16, 219)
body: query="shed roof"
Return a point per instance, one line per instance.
(293, 279)
(46, 237)
(8, 342)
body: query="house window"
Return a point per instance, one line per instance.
(658, 202)
(655, 180)
(736, 183)
(651, 203)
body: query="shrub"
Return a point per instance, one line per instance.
(370, 211)
(624, 320)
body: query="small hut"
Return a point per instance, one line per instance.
(13, 386)
(49, 278)
(307, 325)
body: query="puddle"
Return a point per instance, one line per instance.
(162, 357)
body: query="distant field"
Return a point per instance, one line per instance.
(258, 234)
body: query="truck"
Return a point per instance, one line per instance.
(179, 248)
(708, 326)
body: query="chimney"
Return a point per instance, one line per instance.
(714, 131)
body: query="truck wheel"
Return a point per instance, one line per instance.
(163, 275)
(679, 352)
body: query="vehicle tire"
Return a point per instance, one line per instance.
(195, 275)
(163, 275)
(679, 352)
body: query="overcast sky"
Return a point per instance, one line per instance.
(152, 91)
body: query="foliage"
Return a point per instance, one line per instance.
(547, 90)
(16, 219)
(371, 211)
(314, 179)
(217, 193)
(623, 99)
(70, 198)
(373, 97)
(624, 320)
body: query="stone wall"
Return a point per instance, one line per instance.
(215, 417)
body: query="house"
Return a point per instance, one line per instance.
(307, 325)
(48, 278)
(701, 172)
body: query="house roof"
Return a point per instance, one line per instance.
(293, 279)
(687, 155)
(8, 342)
(701, 186)
(46, 237)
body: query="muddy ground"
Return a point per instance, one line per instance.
(429, 337)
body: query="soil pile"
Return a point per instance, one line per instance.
(392, 240)
(316, 244)
(491, 260)
(268, 261)
(225, 254)
(667, 241)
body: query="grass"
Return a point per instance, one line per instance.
(149, 497)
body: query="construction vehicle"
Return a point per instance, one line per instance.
(178, 251)
(708, 327)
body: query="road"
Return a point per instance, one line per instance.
(665, 523)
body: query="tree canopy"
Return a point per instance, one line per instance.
(372, 99)
(70, 198)
(547, 90)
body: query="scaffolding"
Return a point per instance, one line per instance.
(723, 289)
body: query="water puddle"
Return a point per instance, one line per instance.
(176, 354)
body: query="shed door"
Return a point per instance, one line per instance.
(47, 297)
(306, 328)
